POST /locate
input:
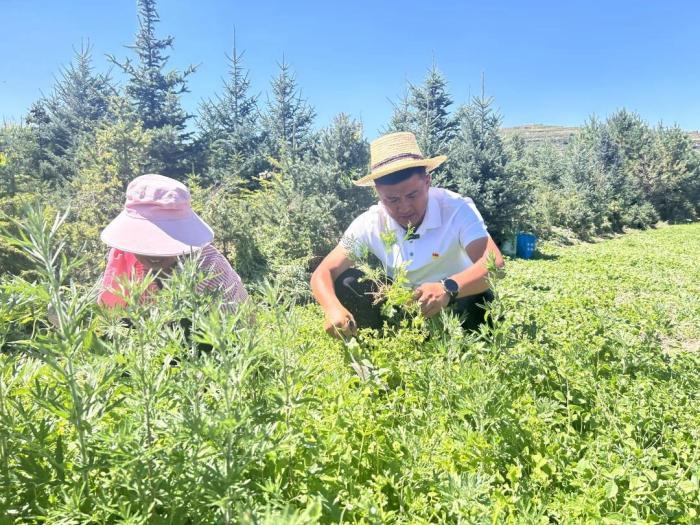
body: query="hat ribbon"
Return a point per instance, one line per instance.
(156, 212)
(400, 156)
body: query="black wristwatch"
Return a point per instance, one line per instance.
(451, 287)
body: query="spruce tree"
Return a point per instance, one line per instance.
(432, 122)
(674, 185)
(342, 146)
(480, 170)
(288, 120)
(425, 111)
(584, 191)
(620, 146)
(342, 156)
(75, 108)
(633, 139)
(229, 126)
(401, 118)
(19, 157)
(155, 93)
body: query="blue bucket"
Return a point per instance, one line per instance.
(525, 244)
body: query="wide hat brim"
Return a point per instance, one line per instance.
(430, 165)
(157, 237)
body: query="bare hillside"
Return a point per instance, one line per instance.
(561, 135)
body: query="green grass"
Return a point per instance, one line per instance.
(579, 406)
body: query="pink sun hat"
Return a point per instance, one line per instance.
(157, 220)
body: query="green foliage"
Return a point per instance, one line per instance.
(288, 120)
(20, 153)
(342, 146)
(341, 157)
(61, 121)
(671, 182)
(20, 183)
(229, 127)
(394, 294)
(479, 168)
(155, 94)
(612, 175)
(273, 233)
(117, 153)
(425, 111)
(578, 405)
(118, 150)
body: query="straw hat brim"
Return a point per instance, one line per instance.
(430, 165)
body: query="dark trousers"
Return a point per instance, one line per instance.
(358, 297)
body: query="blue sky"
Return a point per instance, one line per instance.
(544, 62)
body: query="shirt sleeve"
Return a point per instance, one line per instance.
(356, 240)
(223, 278)
(117, 267)
(470, 223)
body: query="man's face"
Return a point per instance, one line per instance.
(406, 201)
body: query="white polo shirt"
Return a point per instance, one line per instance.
(451, 222)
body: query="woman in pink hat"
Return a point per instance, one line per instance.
(156, 227)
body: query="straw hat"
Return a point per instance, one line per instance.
(396, 152)
(157, 220)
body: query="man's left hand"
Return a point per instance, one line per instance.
(432, 298)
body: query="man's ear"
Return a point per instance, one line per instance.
(428, 179)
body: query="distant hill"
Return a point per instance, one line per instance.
(561, 135)
(539, 133)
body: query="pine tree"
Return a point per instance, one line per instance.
(542, 168)
(480, 170)
(229, 125)
(287, 123)
(342, 146)
(401, 117)
(621, 147)
(431, 120)
(584, 190)
(75, 108)
(155, 93)
(342, 156)
(425, 111)
(674, 182)
(19, 156)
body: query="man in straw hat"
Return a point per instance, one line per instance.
(439, 236)
(156, 227)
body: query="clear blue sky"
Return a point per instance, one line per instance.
(553, 62)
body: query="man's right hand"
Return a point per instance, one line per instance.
(340, 323)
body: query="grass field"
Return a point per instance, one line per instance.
(580, 405)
